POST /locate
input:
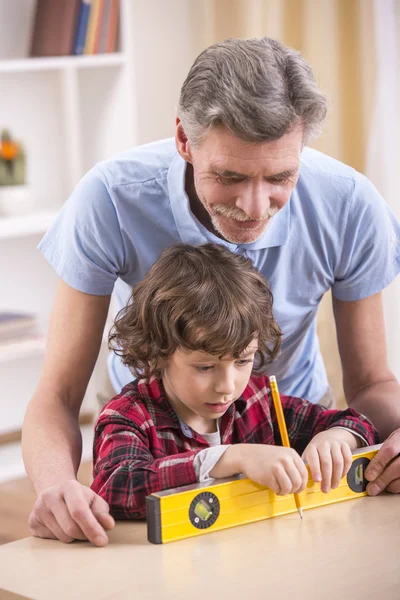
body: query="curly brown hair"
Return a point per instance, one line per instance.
(199, 298)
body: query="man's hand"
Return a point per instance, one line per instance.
(70, 511)
(384, 469)
(329, 456)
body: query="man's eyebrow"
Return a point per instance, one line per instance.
(227, 173)
(276, 177)
(282, 175)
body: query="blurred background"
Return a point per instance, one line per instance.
(84, 79)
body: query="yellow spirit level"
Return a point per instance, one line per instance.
(197, 509)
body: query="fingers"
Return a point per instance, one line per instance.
(329, 463)
(39, 530)
(59, 533)
(347, 458)
(274, 485)
(291, 475)
(80, 511)
(389, 479)
(49, 530)
(64, 512)
(313, 462)
(64, 521)
(284, 483)
(394, 487)
(389, 450)
(303, 472)
(325, 461)
(100, 509)
(337, 465)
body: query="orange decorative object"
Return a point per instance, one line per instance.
(8, 150)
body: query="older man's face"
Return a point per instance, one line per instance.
(242, 185)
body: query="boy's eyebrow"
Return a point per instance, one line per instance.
(212, 357)
(249, 351)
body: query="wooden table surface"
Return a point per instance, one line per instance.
(349, 550)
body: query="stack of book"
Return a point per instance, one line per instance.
(65, 27)
(19, 333)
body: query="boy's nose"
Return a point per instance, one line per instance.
(225, 385)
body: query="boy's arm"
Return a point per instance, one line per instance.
(125, 470)
(304, 420)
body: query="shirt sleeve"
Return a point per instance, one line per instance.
(304, 420)
(363, 441)
(125, 471)
(370, 245)
(205, 461)
(84, 245)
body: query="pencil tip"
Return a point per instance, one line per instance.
(300, 513)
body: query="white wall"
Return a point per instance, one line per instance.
(163, 54)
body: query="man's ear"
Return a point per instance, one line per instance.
(182, 143)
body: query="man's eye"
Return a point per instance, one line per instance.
(228, 180)
(280, 181)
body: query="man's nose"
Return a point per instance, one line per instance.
(254, 201)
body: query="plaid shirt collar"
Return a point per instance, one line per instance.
(165, 416)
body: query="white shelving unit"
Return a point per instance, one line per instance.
(12, 227)
(54, 63)
(22, 349)
(70, 112)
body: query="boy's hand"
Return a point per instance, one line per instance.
(329, 456)
(280, 469)
(70, 511)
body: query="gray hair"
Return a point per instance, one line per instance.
(257, 88)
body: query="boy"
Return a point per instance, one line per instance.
(198, 333)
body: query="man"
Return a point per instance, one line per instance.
(237, 174)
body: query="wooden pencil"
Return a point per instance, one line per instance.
(282, 427)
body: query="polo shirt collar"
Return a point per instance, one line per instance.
(191, 231)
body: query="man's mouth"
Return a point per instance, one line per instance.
(240, 224)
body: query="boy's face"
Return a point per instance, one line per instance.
(201, 387)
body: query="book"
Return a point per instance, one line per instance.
(54, 27)
(99, 26)
(113, 27)
(102, 45)
(92, 27)
(82, 24)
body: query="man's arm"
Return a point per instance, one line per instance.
(51, 439)
(369, 385)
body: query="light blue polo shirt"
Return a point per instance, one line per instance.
(335, 232)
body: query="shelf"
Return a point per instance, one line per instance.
(13, 227)
(51, 63)
(22, 348)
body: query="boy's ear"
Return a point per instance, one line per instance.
(158, 365)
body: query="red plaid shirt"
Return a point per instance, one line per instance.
(140, 446)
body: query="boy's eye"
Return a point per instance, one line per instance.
(204, 368)
(244, 361)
